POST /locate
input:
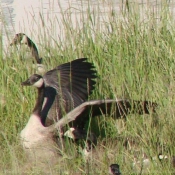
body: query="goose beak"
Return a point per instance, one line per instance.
(26, 83)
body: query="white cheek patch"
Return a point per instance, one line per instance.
(39, 83)
(24, 39)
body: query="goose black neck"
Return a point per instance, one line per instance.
(39, 103)
(34, 50)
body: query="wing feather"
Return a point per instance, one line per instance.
(73, 83)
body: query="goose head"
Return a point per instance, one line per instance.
(34, 80)
(19, 38)
(114, 169)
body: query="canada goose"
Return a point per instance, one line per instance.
(65, 89)
(69, 83)
(22, 38)
(70, 80)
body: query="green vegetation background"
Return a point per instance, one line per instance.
(134, 59)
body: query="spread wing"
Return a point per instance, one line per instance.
(73, 82)
(118, 108)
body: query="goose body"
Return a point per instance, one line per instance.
(37, 138)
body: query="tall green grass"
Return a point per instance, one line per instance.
(134, 59)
